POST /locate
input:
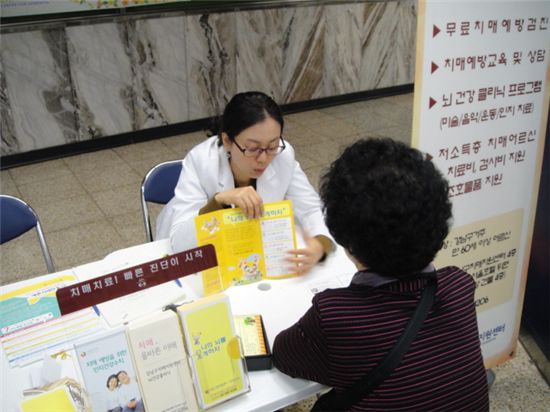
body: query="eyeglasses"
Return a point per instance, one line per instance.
(257, 151)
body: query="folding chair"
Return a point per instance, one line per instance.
(158, 187)
(16, 218)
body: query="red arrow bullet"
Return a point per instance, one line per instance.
(432, 102)
(434, 67)
(435, 31)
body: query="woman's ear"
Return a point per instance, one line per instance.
(226, 141)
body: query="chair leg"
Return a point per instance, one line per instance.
(146, 220)
(491, 376)
(44, 247)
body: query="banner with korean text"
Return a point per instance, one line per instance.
(77, 296)
(480, 110)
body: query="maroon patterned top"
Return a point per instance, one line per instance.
(348, 331)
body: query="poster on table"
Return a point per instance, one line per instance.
(480, 110)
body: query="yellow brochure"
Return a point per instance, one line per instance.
(58, 400)
(248, 250)
(215, 357)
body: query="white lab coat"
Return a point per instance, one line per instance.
(206, 171)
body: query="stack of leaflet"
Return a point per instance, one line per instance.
(163, 362)
(31, 323)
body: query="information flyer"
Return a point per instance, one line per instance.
(247, 250)
(481, 107)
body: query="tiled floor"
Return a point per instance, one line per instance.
(89, 206)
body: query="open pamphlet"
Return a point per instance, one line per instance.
(248, 250)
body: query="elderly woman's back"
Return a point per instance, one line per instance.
(388, 207)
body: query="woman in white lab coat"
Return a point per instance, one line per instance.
(247, 164)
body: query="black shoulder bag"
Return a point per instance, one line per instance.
(343, 401)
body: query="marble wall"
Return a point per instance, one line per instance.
(102, 79)
(38, 101)
(211, 56)
(72, 83)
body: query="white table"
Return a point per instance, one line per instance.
(284, 302)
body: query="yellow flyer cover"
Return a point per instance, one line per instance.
(58, 400)
(213, 349)
(247, 250)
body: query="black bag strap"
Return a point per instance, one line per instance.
(374, 378)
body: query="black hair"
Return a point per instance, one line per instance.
(245, 110)
(387, 205)
(111, 377)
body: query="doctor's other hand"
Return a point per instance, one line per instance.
(246, 198)
(304, 259)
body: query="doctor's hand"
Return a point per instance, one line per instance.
(246, 198)
(305, 258)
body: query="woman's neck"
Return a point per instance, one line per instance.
(239, 181)
(242, 183)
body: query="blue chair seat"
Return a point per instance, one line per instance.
(17, 218)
